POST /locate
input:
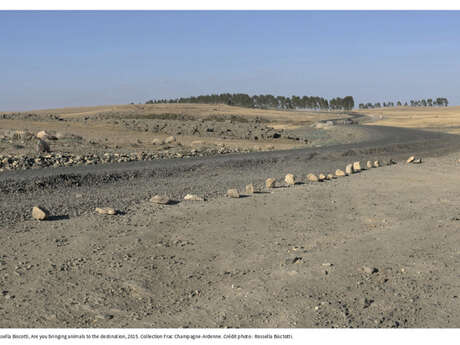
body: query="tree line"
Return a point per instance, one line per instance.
(430, 102)
(267, 101)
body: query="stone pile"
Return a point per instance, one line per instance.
(44, 159)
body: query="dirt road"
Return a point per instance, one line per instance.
(375, 249)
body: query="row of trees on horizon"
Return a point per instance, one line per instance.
(430, 102)
(267, 101)
(296, 102)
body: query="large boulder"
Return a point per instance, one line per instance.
(369, 164)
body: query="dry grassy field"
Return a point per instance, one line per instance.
(196, 110)
(445, 120)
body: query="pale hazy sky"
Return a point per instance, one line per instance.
(55, 59)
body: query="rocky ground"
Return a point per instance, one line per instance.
(152, 137)
(377, 248)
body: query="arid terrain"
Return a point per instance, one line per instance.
(376, 248)
(441, 119)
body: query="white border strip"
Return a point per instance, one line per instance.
(230, 5)
(198, 336)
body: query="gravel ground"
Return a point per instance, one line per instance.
(370, 250)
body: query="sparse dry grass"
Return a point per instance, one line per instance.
(445, 119)
(197, 110)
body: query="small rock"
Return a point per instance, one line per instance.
(290, 179)
(106, 210)
(410, 159)
(249, 189)
(170, 139)
(417, 161)
(233, 193)
(193, 197)
(356, 167)
(330, 176)
(327, 264)
(312, 178)
(160, 199)
(369, 270)
(392, 161)
(339, 173)
(376, 164)
(349, 169)
(158, 141)
(369, 164)
(296, 260)
(39, 213)
(322, 177)
(104, 316)
(270, 183)
(366, 302)
(42, 135)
